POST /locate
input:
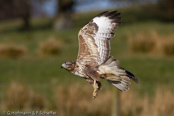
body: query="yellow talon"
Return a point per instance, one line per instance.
(95, 89)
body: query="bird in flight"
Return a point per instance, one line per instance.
(94, 60)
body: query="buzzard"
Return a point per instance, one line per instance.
(94, 60)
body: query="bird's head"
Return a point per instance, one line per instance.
(69, 66)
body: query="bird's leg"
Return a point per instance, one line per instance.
(95, 89)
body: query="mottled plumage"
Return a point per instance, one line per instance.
(94, 60)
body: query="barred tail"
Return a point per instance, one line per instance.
(116, 75)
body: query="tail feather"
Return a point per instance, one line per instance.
(116, 75)
(112, 77)
(121, 86)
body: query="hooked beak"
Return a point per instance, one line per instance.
(63, 65)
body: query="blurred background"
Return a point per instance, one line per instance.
(37, 36)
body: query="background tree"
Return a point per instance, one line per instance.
(166, 7)
(64, 18)
(10, 9)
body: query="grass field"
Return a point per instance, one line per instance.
(43, 75)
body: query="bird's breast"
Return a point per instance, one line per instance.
(80, 71)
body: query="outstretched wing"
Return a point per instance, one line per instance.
(94, 38)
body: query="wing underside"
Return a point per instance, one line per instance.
(94, 38)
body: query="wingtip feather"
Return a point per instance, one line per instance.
(101, 14)
(111, 15)
(130, 75)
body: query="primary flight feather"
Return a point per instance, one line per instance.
(94, 60)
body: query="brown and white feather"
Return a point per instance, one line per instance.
(94, 38)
